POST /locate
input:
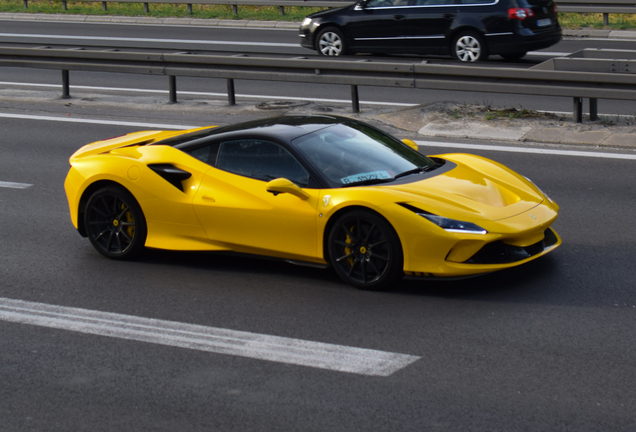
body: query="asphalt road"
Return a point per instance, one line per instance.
(266, 41)
(548, 346)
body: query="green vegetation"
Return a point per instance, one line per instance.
(590, 20)
(568, 20)
(159, 10)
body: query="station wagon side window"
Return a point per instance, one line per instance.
(386, 3)
(435, 2)
(260, 160)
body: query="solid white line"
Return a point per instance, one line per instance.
(509, 149)
(209, 339)
(224, 95)
(122, 39)
(95, 121)
(12, 185)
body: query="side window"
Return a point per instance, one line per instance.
(435, 2)
(260, 160)
(379, 3)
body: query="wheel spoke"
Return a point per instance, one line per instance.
(343, 243)
(126, 236)
(381, 242)
(374, 268)
(110, 240)
(101, 234)
(353, 266)
(368, 236)
(380, 257)
(345, 257)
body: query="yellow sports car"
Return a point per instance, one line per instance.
(317, 190)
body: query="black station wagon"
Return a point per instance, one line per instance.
(468, 30)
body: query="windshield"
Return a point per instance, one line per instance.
(351, 154)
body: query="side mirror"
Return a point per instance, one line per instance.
(411, 144)
(282, 185)
(362, 4)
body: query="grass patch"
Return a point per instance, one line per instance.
(160, 10)
(576, 21)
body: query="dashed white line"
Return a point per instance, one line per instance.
(209, 339)
(12, 185)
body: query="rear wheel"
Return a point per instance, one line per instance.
(469, 47)
(114, 223)
(331, 42)
(365, 251)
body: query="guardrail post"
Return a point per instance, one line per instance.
(593, 109)
(606, 19)
(235, 9)
(146, 8)
(578, 110)
(172, 82)
(64, 5)
(190, 8)
(231, 96)
(104, 6)
(66, 92)
(281, 10)
(26, 4)
(355, 100)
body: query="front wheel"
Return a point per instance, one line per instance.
(115, 223)
(331, 42)
(469, 47)
(365, 251)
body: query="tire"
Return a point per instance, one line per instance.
(514, 56)
(331, 42)
(469, 47)
(115, 224)
(365, 251)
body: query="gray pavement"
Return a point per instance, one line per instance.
(446, 120)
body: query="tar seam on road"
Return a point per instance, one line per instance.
(210, 339)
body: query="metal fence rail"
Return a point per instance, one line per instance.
(611, 84)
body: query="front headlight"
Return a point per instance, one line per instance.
(306, 22)
(452, 225)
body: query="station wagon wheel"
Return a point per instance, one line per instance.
(115, 224)
(469, 47)
(365, 251)
(331, 42)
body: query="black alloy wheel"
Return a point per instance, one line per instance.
(365, 251)
(331, 42)
(469, 47)
(115, 224)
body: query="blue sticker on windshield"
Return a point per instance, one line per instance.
(373, 175)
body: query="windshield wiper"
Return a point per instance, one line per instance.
(417, 170)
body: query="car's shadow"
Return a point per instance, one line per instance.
(516, 284)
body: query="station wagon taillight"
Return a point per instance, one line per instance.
(520, 13)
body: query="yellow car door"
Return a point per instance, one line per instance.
(239, 213)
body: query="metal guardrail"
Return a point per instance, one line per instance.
(313, 69)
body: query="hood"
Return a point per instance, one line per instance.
(476, 189)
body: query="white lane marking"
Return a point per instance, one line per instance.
(548, 54)
(224, 95)
(210, 339)
(94, 121)
(12, 185)
(442, 144)
(530, 150)
(123, 39)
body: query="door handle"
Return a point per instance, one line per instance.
(208, 198)
(398, 17)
